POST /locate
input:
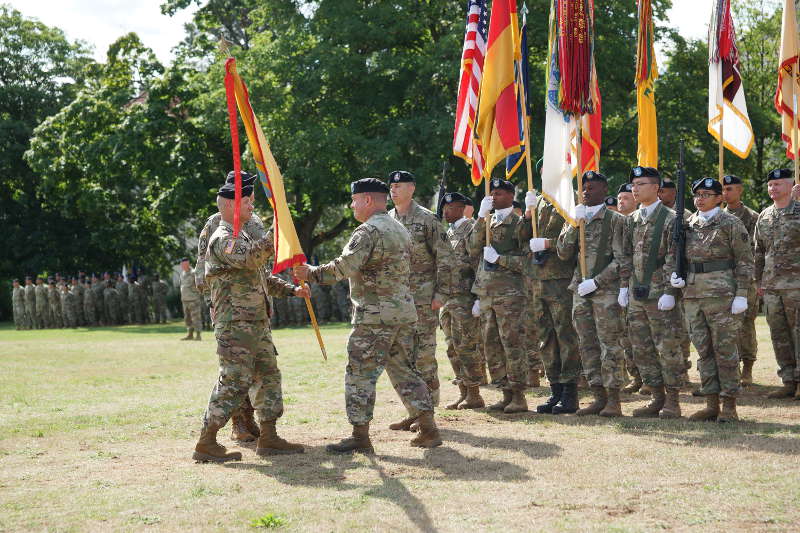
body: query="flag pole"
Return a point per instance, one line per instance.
(794, 132)
(527, 139)
(488, 217)
(721, 141)
(581, 223)
(314, 323)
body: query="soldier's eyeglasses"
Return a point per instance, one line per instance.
(704, 196)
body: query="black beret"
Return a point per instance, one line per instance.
(625, 187)
(401, 176)
(668, 184)
(184, 259)
(643, 172)
(730, 179)
(455, 197)
(498, 183)
(229, 190)
(27, 278)
(708, 184)
(611, 201)
(247, 178)
(368, 185)
(518, 205)
(779, 174)
(591, 175)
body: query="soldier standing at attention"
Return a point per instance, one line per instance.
(18, 305)
(431, 261)
(777, 241)
(719, 274)
(248, 363)
(377, 261)
(68, 311)
(748, 344)
(89, 304)
(159, 289)
(595, 310)
(77, 288)
(124, 303)
(461, 329)
(30, 302)
(651, 315)
(42, 308)
(626, 203)
(99, 304)
(54, 299)
(111, 302)
(190, 298)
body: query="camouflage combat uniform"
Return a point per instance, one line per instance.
(597, 316)
(42, 307)
(377, 262)
(99, 303)
(56, 314)
(68, 310)
(431, 261)
(124, 311)
(190, 298)
(159, 288)
(18, 306)
(30, 305)
(777, 241)
(89, 306)
(79, 308)
(111, 304)
(748, 343)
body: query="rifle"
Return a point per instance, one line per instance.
(679, 229)
(442, 191)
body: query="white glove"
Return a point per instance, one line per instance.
(739, 305)
(622, 299)
(586, 286)
(677, 282)
(490, 254)
(530, 200)
(580, 212)
(666, 302)
(538, 244)
(486, 206)
(476, 308)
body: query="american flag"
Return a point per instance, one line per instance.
(469, 86)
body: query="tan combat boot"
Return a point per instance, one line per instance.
(404, 425)
(533, 379)
(462, 389)
(474, 399)
(747, 373)
(239, 430)
(672, 405)
(711, 411)
(600, 400)
(358, 442)
(518, 402)
(197, 336)
(248, 419)
(501, 405)
(652, 409)
(613, 406)
(786, 391)
(728, 413)
(269, 443)
(188, 336)
(634, 386)
(208, 450)
(428, 432)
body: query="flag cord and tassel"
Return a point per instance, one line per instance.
(794, 131)
(582, 222)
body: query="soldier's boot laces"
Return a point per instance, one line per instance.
(652, 409)
(403, 425)
(634, 386)
(501, 404)
(672, 405)
(555, 395)
(358, 442)
(249, 420)
(600, 400)
(462, 389)
(518, 402)
(474, 399)
(747, 373)
(786, 391)
(710, 412)
(728, 412)
(613, 406)
(208, 449)
(568, 403)
(533, 379)
(269, 443)
(428, 432)
(188, 336)
(646, 390)
(239, 430)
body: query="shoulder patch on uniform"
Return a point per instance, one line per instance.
(356, 240)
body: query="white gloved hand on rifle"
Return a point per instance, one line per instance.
(677, 282)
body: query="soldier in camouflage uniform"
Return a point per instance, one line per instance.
(159, 291)
(777, 273)
(124, 303)
(18, 305)
(99, 304)
(461, 329)
(30, 303)
(68, 310)
(626, 205)
(89, 304)
(54, 299)
(748, 344)
(595, 311)
(78, 289)
(42, 307)
(111, 302)
(247, 357)
(377, 260)
(719, 274)
(652, 317)
(431, 259)
(190, 299)
(499, 286)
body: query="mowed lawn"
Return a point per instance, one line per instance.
(97, 429)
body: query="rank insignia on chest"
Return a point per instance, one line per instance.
(229, 248)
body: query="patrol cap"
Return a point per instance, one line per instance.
(611, 201)
(401, 176)
(368, 185)
(625, 187)
(498, 183)
(668, 184)
(591, 175)
(779, 174)
(708, 184)
(247, 178)
(228, 190)
(643, 172)
(455, 197)
(730, 179)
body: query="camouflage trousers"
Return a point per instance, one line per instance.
(715, 332)
(370, 349)
(783, 317)
(462, 334)
(69, 317)
(552, 316)
(42, 316)
(159, 311)
(248, 364)
(654, 343)
(425, 348)
(683, 335)
(599, 325)
(56, 316)
(748, 345)
(191, 314)
(533, 348)
(627, 349)
(19, 317)
(503, 337)
(88, 313)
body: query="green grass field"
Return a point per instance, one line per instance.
(97, 429)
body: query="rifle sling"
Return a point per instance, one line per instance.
(603, 258)
(652, 256)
